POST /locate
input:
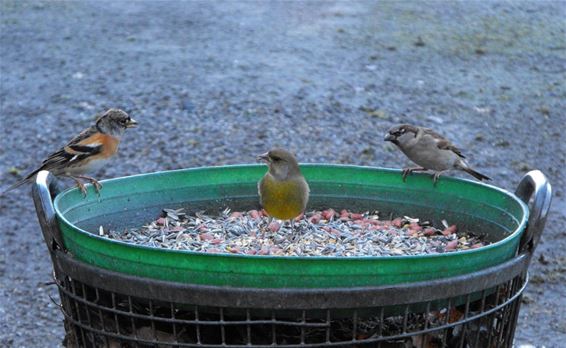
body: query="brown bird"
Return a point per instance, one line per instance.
(283, 191)
(86, 152)
(429, 150)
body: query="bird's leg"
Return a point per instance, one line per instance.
(436, 176)
(80, 185)
(293, 231)
(407, 171)
(93, 181)
(269, 221)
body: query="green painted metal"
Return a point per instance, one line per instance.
(130, 201)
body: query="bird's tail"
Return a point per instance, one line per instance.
(24, 181)
(475, 174)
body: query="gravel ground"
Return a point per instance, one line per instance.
(217, 83)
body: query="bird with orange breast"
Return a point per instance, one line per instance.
(87, 152)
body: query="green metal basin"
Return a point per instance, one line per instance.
(131, 201)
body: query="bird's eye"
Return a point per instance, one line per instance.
(275, 158)
(402, 130)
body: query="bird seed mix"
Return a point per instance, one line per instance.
(316, 233)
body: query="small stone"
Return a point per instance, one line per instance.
(479, 51)
(14, 171)
(420, 42)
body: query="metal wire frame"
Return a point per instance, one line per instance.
(100, 314)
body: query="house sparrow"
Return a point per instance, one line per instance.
(283, 191)
(429, 150)
(86, 152)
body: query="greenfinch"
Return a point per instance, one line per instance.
(283, 191)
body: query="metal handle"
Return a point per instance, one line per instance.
(535, 190)
(44, 190)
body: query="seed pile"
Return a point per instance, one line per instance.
(317, 233)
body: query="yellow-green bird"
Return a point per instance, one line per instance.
(283, 191)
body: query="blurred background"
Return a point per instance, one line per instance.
(219, 82)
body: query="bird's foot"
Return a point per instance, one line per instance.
(407, 171)
(81, 187)
(435, 177)
(295, 230)
(79, 184)
(265, 231)
(292, 224)
(97, 186)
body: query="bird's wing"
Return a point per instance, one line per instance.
(259, 189)
(443, 143)
(84, 145)
(80, 147)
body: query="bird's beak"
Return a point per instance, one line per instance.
(263, 157)
(390, 137)
(131, 123)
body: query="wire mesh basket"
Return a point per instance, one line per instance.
(109, 309)
(101, 311)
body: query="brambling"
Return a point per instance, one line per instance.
(86, 152)
(429, 150)
(283, 191)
